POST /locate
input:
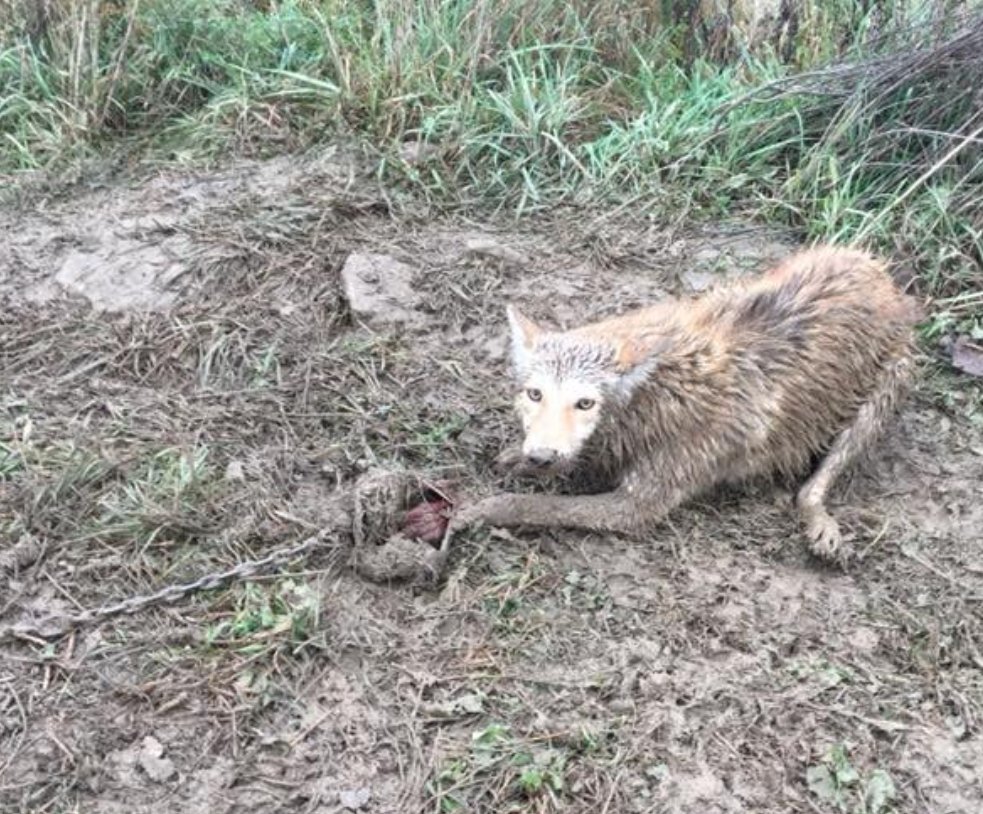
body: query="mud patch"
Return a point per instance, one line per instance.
(133, 247)
(120, 274)
(711, 667)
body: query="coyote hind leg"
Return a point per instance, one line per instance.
(825, 538)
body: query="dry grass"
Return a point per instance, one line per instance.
(895, 149)
(712, 665)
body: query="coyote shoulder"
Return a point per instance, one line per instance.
(757, 377)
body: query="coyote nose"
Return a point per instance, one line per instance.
(541, 456)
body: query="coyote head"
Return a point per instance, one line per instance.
(568, 381)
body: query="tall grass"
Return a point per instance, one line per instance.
(849, 119)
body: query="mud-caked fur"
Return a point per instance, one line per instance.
(754, 378)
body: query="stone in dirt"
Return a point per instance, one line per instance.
(490, 247)
(354, 799)
(469, 704)
(967, 356)
(153, 762)
(698, 281)
(379, 289)
(126, 275)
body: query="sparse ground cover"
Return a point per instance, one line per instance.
(185, 385)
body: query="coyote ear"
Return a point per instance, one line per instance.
(634, 362)
(524, 335)
(629, 354)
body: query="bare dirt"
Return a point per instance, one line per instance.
(186, 385)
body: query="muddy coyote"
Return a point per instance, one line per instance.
(767, 376)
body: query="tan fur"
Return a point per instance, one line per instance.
(752, 378)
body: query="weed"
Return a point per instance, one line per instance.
(508, 598)
(11, 461)
(960, 314)
(16, 428)
(584, 591)
(159, 499)
(820, 671)
(431, 442)
(266, 369)
(504, 770)
(56, 479)
(284, 610)
(835, 781)
(544, 775)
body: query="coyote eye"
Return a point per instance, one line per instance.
(534, 394)
(585, 404)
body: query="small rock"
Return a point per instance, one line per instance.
(676, 248)
(460, 707)
(151, 760)
(234, 471)
(489, 247)
(864, 640)
(152, 746)
(354, 799)
(698, 280)
(123, 274)
(707, 254)
(967, 356)
(379, 289)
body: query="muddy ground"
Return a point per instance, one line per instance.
(186, 381)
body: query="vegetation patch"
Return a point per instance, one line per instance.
(846, 120)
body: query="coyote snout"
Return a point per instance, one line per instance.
(753, 378)
(541, 457)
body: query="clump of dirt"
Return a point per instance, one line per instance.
(379, 289)
(385, 549)
(211, 408)
(401, 558)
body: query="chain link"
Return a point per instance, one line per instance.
(58, 625)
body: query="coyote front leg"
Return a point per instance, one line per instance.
(619, 511)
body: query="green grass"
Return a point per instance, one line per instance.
(836, 783)
(502, 769)
(264, 612)
(162, 499)
(530, 104)
(157, 500)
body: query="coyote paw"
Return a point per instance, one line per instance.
(466, 513)
(488, 511)
(825, 537)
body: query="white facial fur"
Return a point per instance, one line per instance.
(565, 384)
(562, 419)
